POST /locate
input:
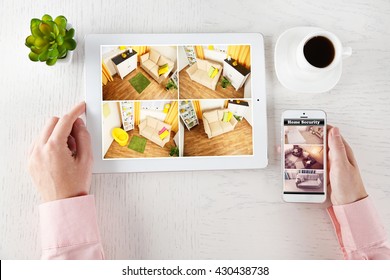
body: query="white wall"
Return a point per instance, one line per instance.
(248, 113)
(107, 49)
(169, 52)
(179, 139)
(248, 88)
(183, 61)
(211, 104)
(152, 113)
(214, 55)
(109, 122)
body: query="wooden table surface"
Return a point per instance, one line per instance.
(197, 215)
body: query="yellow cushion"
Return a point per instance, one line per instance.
(215, 72)
(163, 69)
(225, 117)
(164, 134)
(229, 117)
(211, 71)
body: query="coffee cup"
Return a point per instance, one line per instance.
(321, 51)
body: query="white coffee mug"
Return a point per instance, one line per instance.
(340, 52)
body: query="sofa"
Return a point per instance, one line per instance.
(308, 181)
(214, 125)
(150, 128)
(198, 72)
(151, 62)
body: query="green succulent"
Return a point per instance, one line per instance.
(49, 39)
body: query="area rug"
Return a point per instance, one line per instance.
(139, 82)
(137, 144)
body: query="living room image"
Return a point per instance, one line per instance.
(139, 72)
(140, 129)
(303, 181)
(214, 71)
(216, 127)
(304, 156)
(304, 134)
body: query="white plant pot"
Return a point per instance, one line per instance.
(68, 59)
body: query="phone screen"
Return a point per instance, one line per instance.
(304, 156)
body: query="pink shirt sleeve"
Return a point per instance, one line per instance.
(69, 229)
(359, 231)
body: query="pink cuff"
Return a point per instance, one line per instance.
(68, 222)
(357, 225)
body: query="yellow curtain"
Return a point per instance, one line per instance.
(241, 53)
(197, 108)
(199, 52)
(141, 50)
(106, 76)
(137, 110)
(172, 118)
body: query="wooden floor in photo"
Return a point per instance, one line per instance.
(189, 89)
(236, 142)
(151, 149)
(120, 89)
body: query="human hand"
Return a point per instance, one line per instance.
(60, 160)
(346, 185)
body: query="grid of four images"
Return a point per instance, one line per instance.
(176, 101)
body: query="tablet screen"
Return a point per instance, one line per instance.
(164, 101)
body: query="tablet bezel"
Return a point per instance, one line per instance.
(259, 159)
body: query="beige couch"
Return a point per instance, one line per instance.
(308, 181)
(198, 72)
(151, 61)
(213, 124)
(150, 127)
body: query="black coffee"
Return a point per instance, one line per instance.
(319, 51)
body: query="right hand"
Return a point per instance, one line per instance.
(346, 185)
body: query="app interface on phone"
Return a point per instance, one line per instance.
(304, 152)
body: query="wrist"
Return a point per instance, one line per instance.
(48, 197)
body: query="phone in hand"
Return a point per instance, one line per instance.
(304, 156)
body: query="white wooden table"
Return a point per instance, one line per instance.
(197, 215)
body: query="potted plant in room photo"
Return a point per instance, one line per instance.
(170, 85)
(51, 41)
(174, 152)
(224, 82)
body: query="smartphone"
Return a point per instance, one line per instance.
(304, 156)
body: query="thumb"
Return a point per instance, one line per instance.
(82, 139)
(337, 150)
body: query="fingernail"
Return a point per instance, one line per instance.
(336, 131)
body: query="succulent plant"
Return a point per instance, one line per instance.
(49, 39)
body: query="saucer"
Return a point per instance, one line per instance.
(288, 72)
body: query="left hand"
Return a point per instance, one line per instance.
(60, 161)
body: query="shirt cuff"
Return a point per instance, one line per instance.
(357, 225)
(68, 222)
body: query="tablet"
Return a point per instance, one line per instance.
(172, 102)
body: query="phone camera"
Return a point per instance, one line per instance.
(303, 113)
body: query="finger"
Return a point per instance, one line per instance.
(350, 154)
(65, 124)
(328, 127)
(337, 148)
(48, 130)
(83, 140)
(72, 144)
